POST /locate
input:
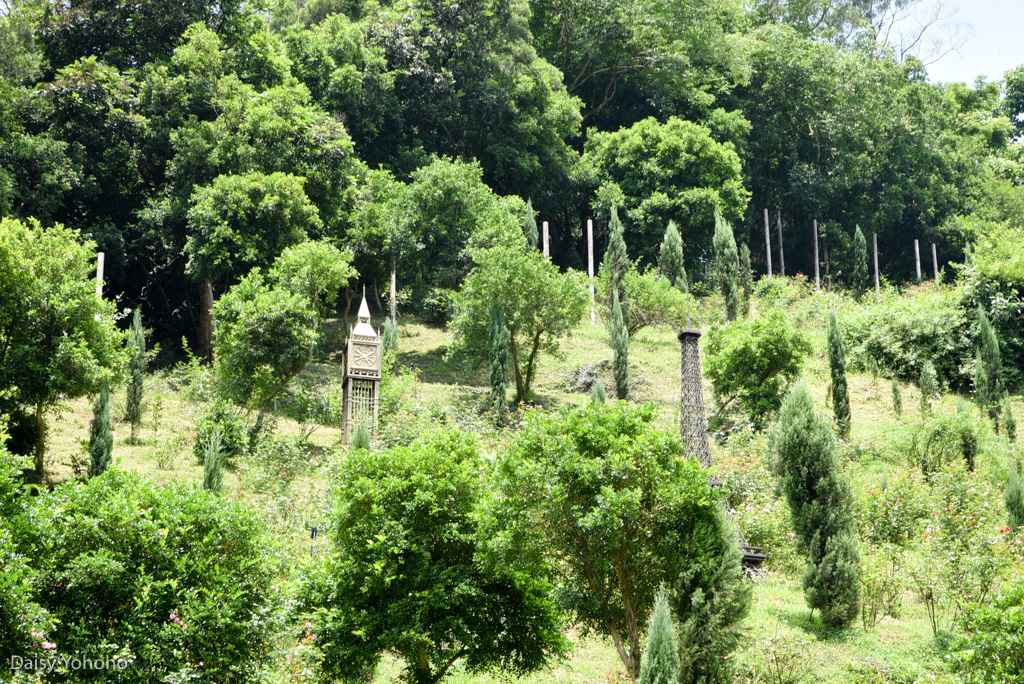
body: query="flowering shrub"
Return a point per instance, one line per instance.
(892, 510)
(962, 545)
(993, 648)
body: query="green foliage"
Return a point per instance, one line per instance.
(894, 510)
(389, 338)
(530, 226)
(860, 275)
(58, 339)
(265, 337)
(361, 438)
(670, 258)
(101, 435)
(597, 394)
(616, 258)
(746, 278)
(221, 418)
(1009, 422)
(608, 504)
(988, 370)
(837, 368)
(499, 360)
(620, 347)
(438, 305)
(726, 273)
(710, 598)
(242, 222)
(411, 573)
(940, 440)
(897, 398)
(137, 362)
(990, 650)
(751, 362)
(647, 299)
(898, 334)
(660, 172)
(928, 385)
(541, 305)
(314, 270)
(1013, 497)
(660, 664)
(214, 460)
(821, 505)
(169, 576)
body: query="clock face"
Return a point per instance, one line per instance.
(364, 357)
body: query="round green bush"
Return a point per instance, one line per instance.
(172, 579)
(232, 431)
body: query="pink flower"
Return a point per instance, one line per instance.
(49, 646)
(174, 617)
(309, 625)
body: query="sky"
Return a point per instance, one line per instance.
(995, 39)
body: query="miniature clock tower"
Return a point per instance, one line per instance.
(362, 375)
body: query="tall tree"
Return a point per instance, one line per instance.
(670, 258)
(616, 258)
(530, 226)
(620, 346)
(837, 367)
(58, 339)
(988, 369)
(821, 508)
(860, 275)
(541, 306)
(726, 266)
(137, 361)
(101, 435)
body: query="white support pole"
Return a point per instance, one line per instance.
(767, 241)
(874, 241)
(935, 266)
(782, 254)
(547, 251)
(100, 258)
(590, 268)
(917, 261)
(817, 275)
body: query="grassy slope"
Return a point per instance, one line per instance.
(781, 642)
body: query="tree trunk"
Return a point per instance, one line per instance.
(206, 318)
(350, 294)
(782, 254)
(520, 390)
(531, 363)
(40, 455)
(376, 296)
(817, 275)
(394, 292)
(767, 242)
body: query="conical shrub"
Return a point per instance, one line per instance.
(101, 435)
(660, 663)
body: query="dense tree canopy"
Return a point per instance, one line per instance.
(416, 127)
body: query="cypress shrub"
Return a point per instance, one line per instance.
(1014, 498)
(726, 265)
(821, 507)
(530, 226)
(746, 277)
(390, 336)
(711, 597)
(136, 375)
(929, 387)
(213, 462)
(988, 369)
(361, 438)
(499, 357)
(597, 392)
(860, 276)
(670, 259)
(1009, 423)
(620, 345)
(101, 435)
(616, 258)
(897, 398)
(660, 664)
(837, 364)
